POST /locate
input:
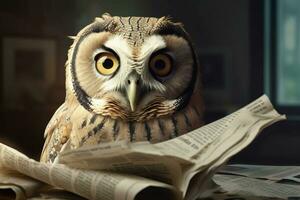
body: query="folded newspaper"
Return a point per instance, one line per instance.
(180, 168)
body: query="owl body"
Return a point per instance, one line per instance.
(127, 78)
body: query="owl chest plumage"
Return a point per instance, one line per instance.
(90, 129)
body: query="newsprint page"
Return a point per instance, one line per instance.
(181, 168)
(282, 182)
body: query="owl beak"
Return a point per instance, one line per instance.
(132, 92)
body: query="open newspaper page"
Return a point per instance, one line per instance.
(198, 153)
(86, 183)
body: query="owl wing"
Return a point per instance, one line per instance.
(56, 134)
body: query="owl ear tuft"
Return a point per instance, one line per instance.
(165, 25)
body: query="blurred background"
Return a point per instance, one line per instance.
(246, 48)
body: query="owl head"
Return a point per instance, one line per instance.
(133, 68)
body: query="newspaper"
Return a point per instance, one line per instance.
(179, 168)
(246, 186)
(274, 173)
(261, 180)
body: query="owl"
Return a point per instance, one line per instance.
(127, 78)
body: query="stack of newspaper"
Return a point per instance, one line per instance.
(180, 168)
(281, 182)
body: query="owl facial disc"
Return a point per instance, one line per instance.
(132, 68)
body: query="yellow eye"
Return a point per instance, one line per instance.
(106, 63)
(161, 65)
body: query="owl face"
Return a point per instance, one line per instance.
(133, 68)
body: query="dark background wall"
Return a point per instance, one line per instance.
(227, 35)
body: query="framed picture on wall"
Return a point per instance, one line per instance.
(216, 77)
(29, 67)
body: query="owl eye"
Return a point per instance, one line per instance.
(160, 65)
(106, 63)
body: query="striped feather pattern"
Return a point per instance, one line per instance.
(94, 129)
